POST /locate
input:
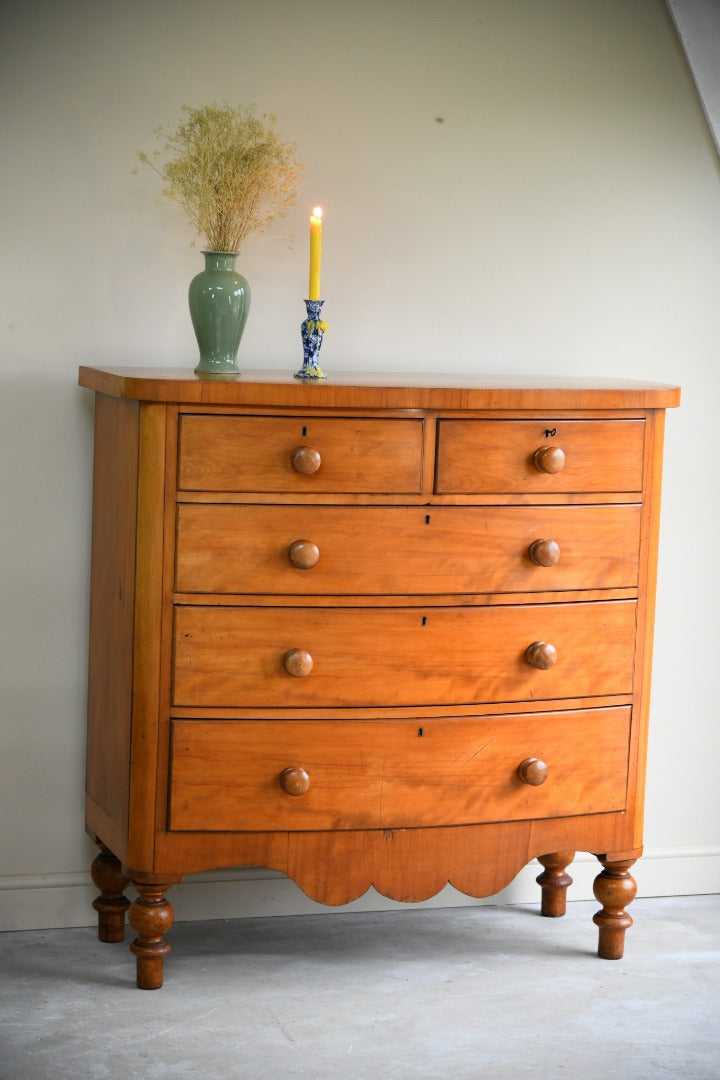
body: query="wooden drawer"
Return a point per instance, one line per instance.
(369, 774)
(256, 453)
(404, 550)
(485, 456)
(235, 656)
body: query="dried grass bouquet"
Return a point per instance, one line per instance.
(229, 170)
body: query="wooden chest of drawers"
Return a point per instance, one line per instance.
(381, 631)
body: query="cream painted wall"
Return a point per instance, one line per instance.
(564, 217)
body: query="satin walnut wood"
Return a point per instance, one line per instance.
(390, 631)
(545, 552)
(549, 459)
(232, 656)
(490, 456)
(404, 550)
(305, 460)
(298, 663)
(541, 655)
(294, 780)
(304, 554)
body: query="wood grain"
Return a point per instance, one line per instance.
(229, 656)
(402, 864)
(614, 888)
(228, 453)
(650, 529)
(499, 455)
(112, 597)
(381, 390)
(149, 697)
(395, 774)
(404, 550)
(554, 882)
(409, 564)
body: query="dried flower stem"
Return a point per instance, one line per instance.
(229, 170)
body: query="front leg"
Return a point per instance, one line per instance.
(109, 877)
(613, 888)
(150, 916)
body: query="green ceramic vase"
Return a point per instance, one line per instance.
(219, 301)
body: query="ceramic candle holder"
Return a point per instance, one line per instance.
(312, 331)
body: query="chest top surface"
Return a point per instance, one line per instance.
(401, 390)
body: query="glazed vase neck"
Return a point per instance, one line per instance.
(220, 260)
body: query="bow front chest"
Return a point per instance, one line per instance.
(389, 631)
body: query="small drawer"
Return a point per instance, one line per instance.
(303, 657)
(548, 456)
(371, 774)
(299, 455)
(333, 550)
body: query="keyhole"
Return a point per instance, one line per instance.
(424, 620)
(550, 432)
(420, 733)
(304, 431)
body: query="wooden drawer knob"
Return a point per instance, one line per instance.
(303, 554)
(545, 552)
(549, 459)
(541, 654)
(305, 460)
(298, 662)
(533, 771)
(294, 780)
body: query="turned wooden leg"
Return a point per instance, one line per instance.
(554, 882)
(613, 888)
(150, 916)
(111, 905)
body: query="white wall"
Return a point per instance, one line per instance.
(564, 217)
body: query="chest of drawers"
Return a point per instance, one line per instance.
(382, 631)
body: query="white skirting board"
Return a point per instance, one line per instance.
(57, 900)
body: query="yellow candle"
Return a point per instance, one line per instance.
(315, 253)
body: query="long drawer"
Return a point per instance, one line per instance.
(303, 550)
(233, 775)
(539, 456)
(303, 657)
(304, 455)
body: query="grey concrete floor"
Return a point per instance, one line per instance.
(467, 993)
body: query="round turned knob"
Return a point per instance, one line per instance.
(541, 654)
(305, 460)
(303, 554)
(533, 771)
(549, 459)
(294, 780)
(545, 552)
(298, 662)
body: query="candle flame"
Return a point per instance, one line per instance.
(317, 212)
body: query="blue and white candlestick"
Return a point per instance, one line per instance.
(312, 331)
